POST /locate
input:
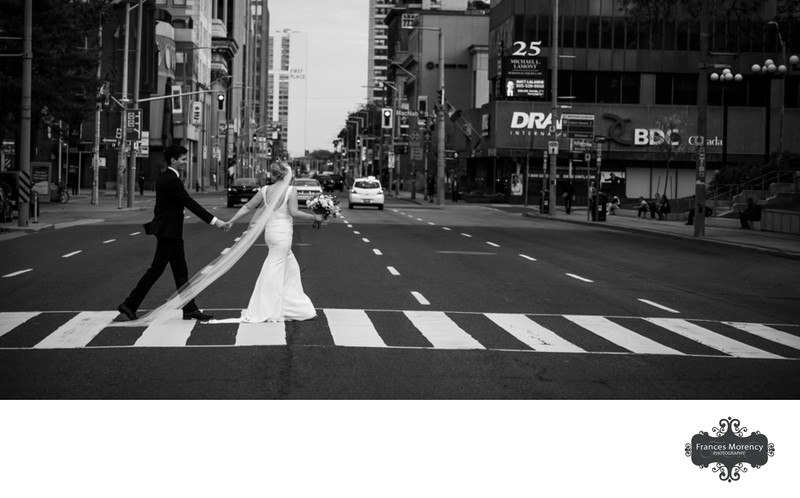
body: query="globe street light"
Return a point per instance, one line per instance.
(725, 78)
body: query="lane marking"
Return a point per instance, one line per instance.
(441, 331)
(472, 253)
(620, 336)
(492, 244)
(261, 334)
(660, 306)
(711, 339)
(134, 233)
(12, 320)
(466, 234)
(377, 252)
(579, 278)
(527, 257)
(532, 334)
(356, 232)
(79, 331)
(224, 251)
(17, 273)
(392, 270)
(352, 328)
(768, 333)
(70, 254)
(365, 240)
(446, 228)
(109, 241)
(420, 298)
(431, 223)
(349, 225)
(170, 331)
(420, 219)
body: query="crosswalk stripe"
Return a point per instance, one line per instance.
(353, 328)
(768, 333)
(10, 321)
(261, 334)
(711, 339)
(619, 335)
(172, 331)
(532, 334)
(79, 331)
(441, 331)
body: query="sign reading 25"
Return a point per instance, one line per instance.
(522, 49)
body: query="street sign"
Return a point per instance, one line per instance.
(408, 21)
(587, 157)
(578, 125)
(197, 113)
(416, 153)
(552, 147)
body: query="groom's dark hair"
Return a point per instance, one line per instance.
(174, 152)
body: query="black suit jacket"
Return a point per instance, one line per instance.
(171, 199)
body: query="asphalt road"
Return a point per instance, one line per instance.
(468, 277)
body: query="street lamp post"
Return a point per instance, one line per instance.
(725, 78)
(772, 71)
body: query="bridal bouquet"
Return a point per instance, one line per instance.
(325, 205)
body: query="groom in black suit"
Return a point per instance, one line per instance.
(167, 226)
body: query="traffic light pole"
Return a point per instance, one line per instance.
(441, 131)
(123, 120)
(136, 74)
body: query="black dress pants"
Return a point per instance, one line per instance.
(168, 251)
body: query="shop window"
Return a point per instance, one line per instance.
(792, 94)
(756, 91)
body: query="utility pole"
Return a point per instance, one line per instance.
(97, 107)
(441, 131)
(554, 94)
(702, 115)
(136, 75)
(123, 120)
(25, 116)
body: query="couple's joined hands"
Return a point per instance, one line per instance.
(223, 225)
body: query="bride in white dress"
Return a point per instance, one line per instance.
(278, 294)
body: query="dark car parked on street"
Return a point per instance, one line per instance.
(331, 182)
(242, 190)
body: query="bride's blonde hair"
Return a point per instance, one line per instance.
(278, 170)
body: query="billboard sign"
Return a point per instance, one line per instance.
(525, 77)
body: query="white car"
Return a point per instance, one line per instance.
(366, 192)
(307, 188)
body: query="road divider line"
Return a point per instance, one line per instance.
(446, 228)
(356, 232)
(17, 273)
(365, 240)
(352, 328)
(419, 297)
(659, 306)
(576, 277)
(420, 219)
(70, 254)
(109, 241)
(492, 244)
(711, 339)
(527, 257)
(441, 331)
(135, 233)
(431, 223)
(377, 252)
(392, 270)
(466, 235)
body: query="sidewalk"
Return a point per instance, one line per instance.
(781, 244)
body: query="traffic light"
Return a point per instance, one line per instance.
(358, 142)
(220, 101)
(386, 117)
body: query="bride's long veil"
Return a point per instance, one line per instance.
(275, 194)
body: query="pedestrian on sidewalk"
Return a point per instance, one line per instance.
(141, 183)
(431, 187)
(569, 196)
(663, 208)
(644, 208)
(750, 213)
(167, 226)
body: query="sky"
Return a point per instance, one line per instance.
(336, 73)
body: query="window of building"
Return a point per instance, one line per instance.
(568, 32)
(580, 32)
(619, 33)
(609, 88)
(682, 42)
(694, 35)
(657, 34)
(669, 34)
(792, 94)
(544, 30)
(718, 41)
(630, 88)
(583, 87)
(644, 36)
(606, 32)
(684, 89)
(594, 32)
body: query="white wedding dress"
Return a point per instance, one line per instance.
(278, 294)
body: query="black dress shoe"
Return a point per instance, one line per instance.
(127, 311)
(196, 315)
